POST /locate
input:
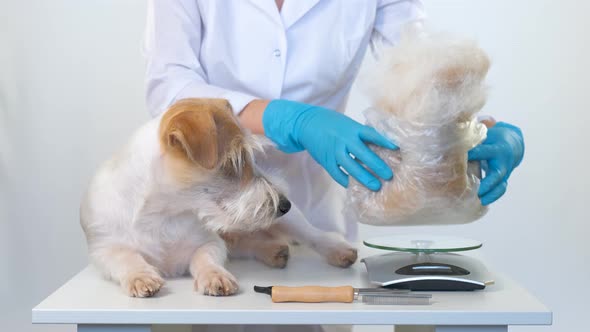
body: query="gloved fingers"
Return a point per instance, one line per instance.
(509, 168)
(371, 160)
(515, 140)
(484, 165)
(514, 128)
(496, 174)
(370, 135)
(354, 169)
(494, 194)
(482, 152)
(337, 174)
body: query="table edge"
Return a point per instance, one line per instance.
(299, 317)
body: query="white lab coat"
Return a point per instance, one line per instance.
(242, 50)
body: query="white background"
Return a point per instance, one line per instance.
(71, 89)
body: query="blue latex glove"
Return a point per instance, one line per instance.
(499, 154)
(329, 137)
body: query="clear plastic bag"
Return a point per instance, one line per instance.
(426, 92)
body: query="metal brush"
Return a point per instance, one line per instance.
(397, 299)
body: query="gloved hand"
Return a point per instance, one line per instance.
(330, 138)
(500, 153)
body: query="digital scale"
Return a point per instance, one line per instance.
(426, 263)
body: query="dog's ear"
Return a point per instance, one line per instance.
(193, 135)
(201, 130)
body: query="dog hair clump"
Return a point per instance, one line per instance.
(425, 94)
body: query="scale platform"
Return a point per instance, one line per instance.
(426, 263)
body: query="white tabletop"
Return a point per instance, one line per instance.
(88, 299)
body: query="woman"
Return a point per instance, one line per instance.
(286, 68)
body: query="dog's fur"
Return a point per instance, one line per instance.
(426, 92)
(160, 206)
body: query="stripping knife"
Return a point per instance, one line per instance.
(344, 294)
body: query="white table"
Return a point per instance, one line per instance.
(98, 305)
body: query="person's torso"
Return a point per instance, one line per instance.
(309, 52)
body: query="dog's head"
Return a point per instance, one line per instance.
(208, 161)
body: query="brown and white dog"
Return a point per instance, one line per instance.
(160, 207)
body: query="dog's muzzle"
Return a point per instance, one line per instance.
(284, 206)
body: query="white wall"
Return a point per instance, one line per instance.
(71, 88)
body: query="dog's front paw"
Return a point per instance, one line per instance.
(275, 255)
(336, 250)
(342, 256)
(216, 282)
(142, 284)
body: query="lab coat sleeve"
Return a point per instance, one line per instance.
(171, 49)
(391, 16)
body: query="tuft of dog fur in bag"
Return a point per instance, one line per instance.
(425, 93)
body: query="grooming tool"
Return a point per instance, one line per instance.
(344, 294)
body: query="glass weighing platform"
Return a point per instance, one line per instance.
(426, 263)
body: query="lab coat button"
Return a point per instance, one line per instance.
(277, 53)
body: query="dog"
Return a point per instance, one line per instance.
(184, 193)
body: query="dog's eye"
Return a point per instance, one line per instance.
(230, 171)
(242, 171)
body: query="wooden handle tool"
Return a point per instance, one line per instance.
(312, 294)
(316, 294)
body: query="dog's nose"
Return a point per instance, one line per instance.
(284, 206)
